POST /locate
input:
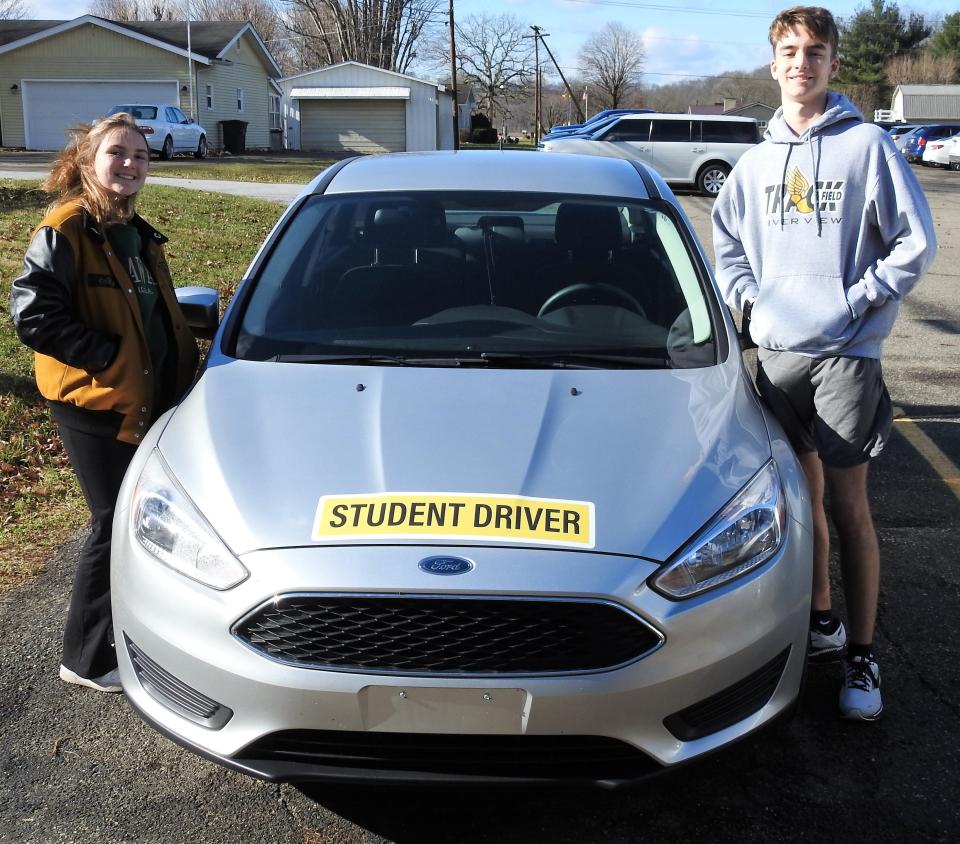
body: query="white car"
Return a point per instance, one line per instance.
(167, 129)
(937, 152)
(685, 149)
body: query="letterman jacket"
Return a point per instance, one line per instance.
(75, 305)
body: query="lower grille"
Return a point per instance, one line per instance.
(174, 694)
(733, 704)
(553, 758)
(440, 635)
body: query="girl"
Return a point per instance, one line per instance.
(113, 351)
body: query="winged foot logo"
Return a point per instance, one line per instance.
(798, 196)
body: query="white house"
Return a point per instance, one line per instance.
(353, 107)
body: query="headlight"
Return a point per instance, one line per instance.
(747, 533)
(170, 528)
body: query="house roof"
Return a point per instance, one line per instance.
(209, 40)
(756, 104)
(360, 64)
(929, 90)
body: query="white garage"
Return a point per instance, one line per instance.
(353, 125)
(51, 106)
(356, 108)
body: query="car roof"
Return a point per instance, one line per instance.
(491, 170)
(659, 115)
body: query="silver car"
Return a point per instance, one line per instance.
(474, 486)
(167, 129)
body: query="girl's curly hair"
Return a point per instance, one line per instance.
(73, 175)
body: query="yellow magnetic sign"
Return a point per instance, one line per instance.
(451, 516)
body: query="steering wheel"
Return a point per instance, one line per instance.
(590, 294)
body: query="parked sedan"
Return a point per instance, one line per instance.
(937, 152)
(167, 129)
(913, 149)
(474, 486)
(900, 134)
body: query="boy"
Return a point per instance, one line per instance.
(819, 233)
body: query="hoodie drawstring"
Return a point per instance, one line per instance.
(783, 184)
(815, 161)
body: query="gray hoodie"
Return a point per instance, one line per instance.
(825, 233)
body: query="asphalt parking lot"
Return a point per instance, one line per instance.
(80, 767)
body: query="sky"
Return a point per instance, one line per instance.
(681, 40)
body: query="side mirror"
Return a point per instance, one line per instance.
(201, 310)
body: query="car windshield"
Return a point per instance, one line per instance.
(137, 112)
(492, 279)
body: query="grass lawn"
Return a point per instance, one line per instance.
(212, 239)
(282, 171)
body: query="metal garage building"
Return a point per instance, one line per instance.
(353, 107)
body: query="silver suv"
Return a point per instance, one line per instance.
(685, 149)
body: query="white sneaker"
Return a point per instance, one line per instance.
(109, 682)
(827, 647)
(860, 694)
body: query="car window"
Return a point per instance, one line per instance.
(671, 130)
(628, 130)
(137, 112)
(729, 131)
(178, 116)
(515, 277)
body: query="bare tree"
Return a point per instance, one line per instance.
(611, 60)
(136, 10)
(922, 69)
(495, 56)
(382, 33)
(14, 10)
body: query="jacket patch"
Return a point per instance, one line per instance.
(97, 280)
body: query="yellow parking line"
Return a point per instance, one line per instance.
(928, 450)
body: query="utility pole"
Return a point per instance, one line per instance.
(564, 78)
(453, 82)
(536, 82)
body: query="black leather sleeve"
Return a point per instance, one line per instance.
(41, 304)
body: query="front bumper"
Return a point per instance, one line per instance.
(735, 653)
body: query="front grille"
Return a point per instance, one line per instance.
(439, 635)
(174, 694)
(302, 753)
(733, 704)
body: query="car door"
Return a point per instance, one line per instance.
(179, 129)
(628, 138)
(675, 149)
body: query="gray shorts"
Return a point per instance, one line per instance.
(836, 406)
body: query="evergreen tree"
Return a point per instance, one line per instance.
(874, 35)
(946, 41)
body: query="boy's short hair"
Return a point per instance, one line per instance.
(816, 20)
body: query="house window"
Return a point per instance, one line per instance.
(274, 112)
(209, 97)
(239, 99)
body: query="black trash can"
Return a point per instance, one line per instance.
(234, 135)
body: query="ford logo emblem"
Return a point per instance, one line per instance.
(446, 565)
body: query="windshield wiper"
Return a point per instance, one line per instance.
(378, 360)
(505, 360)
(575, 360)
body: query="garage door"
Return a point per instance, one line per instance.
(353, 126)
(50, 107)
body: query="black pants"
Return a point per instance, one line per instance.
(100, 463)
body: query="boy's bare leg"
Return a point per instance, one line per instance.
(813, 469)
(859, 548)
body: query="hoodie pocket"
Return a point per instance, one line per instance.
(801, 313)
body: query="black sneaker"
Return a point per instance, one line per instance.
(860, 694)
(827, 644)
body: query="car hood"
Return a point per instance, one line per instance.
(650, 454)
